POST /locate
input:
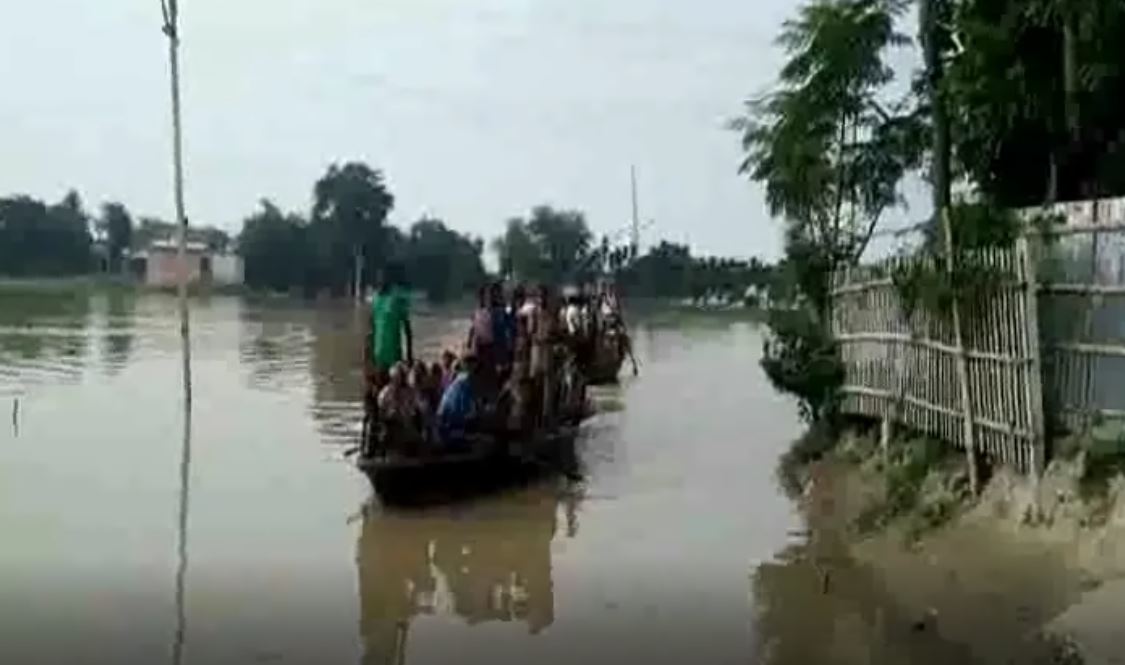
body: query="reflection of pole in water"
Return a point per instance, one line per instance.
(181, 535)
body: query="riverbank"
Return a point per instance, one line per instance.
(1024, 572)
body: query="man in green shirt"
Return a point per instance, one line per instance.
(387, 326)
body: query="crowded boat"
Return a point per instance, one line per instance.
(510, 392)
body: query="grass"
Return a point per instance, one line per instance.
(924, 486)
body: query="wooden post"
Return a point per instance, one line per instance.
(1026, 247)
(968, 427)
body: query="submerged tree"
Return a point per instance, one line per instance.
(275, 249)
(117, 226)
(350, 207)
(441, 262)
(550, 246)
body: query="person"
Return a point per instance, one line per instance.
(572, 316)
(399, 408)
(437, 381)
(481, 330)
(544, 332)
(427, 394)
(459, 406)
(388, 327)
(490, 337)
(448, 368)
(613, 324)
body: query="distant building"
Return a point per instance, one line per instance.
(157, 264)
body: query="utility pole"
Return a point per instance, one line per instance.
(170, 10)
(635, 236)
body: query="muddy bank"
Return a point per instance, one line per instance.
(1024, 573)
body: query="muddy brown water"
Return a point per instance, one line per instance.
(677, 545)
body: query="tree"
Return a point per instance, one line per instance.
(36, 239)
(117, 226)
(518, 255)
(442, 262)
(563, 239)
(828, 150)
(350, 208)
(1034, 90)
(275, 250)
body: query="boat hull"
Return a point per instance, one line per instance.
(443, 478)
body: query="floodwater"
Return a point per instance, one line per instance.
(248, 537)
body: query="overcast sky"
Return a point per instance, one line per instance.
(475, 110)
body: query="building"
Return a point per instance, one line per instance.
(157, 264)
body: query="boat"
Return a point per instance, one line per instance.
(607, 362)
(482, 463)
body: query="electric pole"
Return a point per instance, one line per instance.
(171, 13)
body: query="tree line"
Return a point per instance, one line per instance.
(1017, 104)
(344, 240)
(39, 239)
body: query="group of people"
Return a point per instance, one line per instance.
(522, 367)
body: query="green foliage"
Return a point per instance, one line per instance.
(923, 281)
(827, 151)
(921, 486)
(117, 227)
(37, 239)
(1007, 91)
(276, 251)
(800, 358)
(349, 213)
(551, 246)
(441, 262)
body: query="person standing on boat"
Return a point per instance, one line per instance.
(544, 335)
(388, 329)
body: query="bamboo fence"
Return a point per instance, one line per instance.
(902, 365)
(1083, 301)
(1045, 346)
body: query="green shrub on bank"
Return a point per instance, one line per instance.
(923, 485)
(800, 358)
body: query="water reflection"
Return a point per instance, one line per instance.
(487, 562)
(43, 336)
(120, 328)
(182, 533)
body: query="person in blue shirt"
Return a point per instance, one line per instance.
(459, 407)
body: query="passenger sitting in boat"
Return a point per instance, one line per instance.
(427, 392)
(399, 411)
(447, 368)
(460, 409)
(437, 381)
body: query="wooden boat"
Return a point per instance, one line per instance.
(607, 363)
(488, 461)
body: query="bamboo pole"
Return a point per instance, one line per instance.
(968, 427)
(1033, 377)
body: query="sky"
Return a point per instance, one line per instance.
(474, 110)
